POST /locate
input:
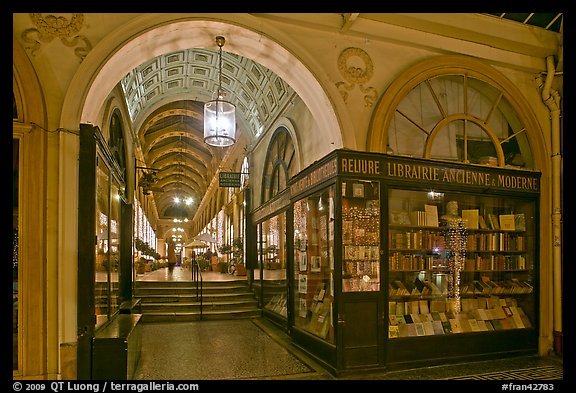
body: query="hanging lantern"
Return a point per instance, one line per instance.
(219, 114)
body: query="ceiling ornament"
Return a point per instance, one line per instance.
(356, 74)
(50, 27)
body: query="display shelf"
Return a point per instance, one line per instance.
(474, 274)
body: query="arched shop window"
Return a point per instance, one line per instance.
(280, 164)
(455, 114)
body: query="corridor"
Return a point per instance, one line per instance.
(256, 349)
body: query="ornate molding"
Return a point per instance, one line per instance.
(356, 75)
(50, 27)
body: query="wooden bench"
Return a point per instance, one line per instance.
(116, 348)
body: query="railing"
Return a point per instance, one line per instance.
(197, 279)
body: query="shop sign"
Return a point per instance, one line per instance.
(318, 175)
(229, 179)
(432, 172)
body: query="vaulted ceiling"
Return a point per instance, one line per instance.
(165, 98)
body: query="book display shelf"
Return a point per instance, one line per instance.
(394, 261)
(360, 236)
(459, 263)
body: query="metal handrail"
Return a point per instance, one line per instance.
(197, 279)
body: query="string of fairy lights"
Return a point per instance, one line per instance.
(456, 239)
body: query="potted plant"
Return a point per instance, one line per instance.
(141, 266)
(238, 257)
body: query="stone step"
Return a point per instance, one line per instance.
(193, 306)
(196, 316)
(178, 300)
(164, 297)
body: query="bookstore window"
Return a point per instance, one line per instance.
(459, 263)
(273, 257)
(360, 236)
(314, 264)
(107, 261)
(460, 118)
(15, 242)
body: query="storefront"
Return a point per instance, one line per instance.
(396, 262)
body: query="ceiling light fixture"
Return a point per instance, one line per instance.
(219, 114)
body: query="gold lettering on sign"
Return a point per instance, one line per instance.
(362, 166)
(314, 177)
(518, 182)
(456, 176)
(408, 171)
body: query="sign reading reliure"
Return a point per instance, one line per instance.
(385, 167)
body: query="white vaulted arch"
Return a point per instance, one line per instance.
(154, 34)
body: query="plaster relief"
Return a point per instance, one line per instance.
(356, 67)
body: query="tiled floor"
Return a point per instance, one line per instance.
(255, 349)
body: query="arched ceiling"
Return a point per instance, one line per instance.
(165, 97)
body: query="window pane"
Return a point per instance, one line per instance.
(314, 264)
(360, 236)
(274, 263)
(114, 247)
(459, 263)
(15, 195)
(101, 265)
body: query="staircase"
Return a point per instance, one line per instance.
(176, 301)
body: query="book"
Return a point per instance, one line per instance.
(507, 222)
(414, 307)
(418, 218)
(411, 329)
(403, 330)
(482, 223)
(435, 315)
(401, 217)
(431, 214)
(393, 331)
(419, 328)
(493, 221)
(438, 328)
(482, 326)
(428, 328)
(399, 308)
(423, 304)
(464, 323)
(470, 218)
(474, 325)
(438, 306)
(455, 326)
(426, 317)
(520, 222)
(416, 318)
(358, 190)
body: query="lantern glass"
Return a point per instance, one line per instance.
(219, 123)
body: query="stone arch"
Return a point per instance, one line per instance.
(123, 50)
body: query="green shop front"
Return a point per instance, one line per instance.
(382, 261)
